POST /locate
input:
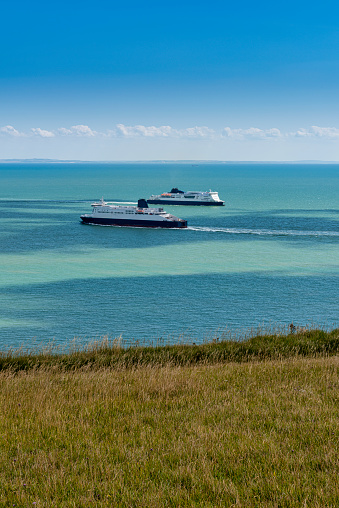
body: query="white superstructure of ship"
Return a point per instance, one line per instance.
(110, 214)
(178, 197)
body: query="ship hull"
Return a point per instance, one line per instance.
(186, 202)
(133, 223)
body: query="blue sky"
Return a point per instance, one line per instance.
(179, 80)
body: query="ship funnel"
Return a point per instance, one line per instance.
(142, 203)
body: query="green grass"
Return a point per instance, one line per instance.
(251, 424)
(112, 354)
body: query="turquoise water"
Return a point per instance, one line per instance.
(270, 256)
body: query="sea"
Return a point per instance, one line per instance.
(268, 258)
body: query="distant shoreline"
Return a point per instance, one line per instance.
(75, 161)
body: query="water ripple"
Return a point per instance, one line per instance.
(263, 232)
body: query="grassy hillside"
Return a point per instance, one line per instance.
(176, 428)
(112, 354)
(252, 434)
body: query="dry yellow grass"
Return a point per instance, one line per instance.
(246, 435)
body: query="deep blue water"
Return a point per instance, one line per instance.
(270, 256)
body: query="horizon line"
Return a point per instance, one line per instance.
(164, 161)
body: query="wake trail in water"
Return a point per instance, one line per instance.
(124, 202)
(263, 232)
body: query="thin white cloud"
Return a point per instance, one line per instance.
(168, 132)
(317, 132)
(273, 133)
(43, 133)
(197, 132)
(65, 132)
(165, 131)
(251, 133)
(83, 130)
(11, 131)
(78, 130)
(142, 130)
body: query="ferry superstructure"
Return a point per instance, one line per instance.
(110, 214)
(178, 197)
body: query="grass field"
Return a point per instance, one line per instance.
(254, 433)
(114, 354)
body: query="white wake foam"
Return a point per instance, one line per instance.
(262, 232)
(124, 202)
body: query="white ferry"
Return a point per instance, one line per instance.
(178, 197)
(110, 214)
